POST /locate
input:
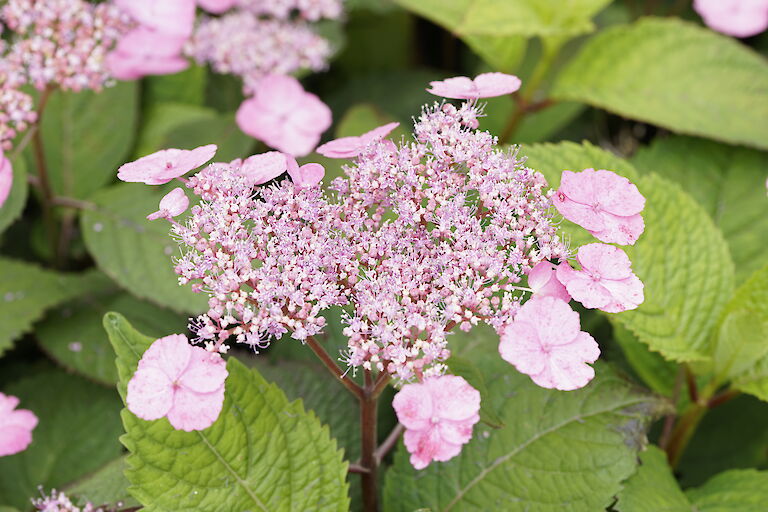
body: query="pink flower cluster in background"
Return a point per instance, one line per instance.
(417, 239)
(6, 178)
(738, 18)
(16, 426)
(59, 502)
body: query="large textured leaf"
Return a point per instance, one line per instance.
(681, 257)
(557, 451)
(27, 290)
(74, 334)
(137, 253)
(653, 489)
(510, 17)
(17, 197)
(87, 135)
(263, 453)
(77, 433)
(674, 74)
(106, 485)
(728, 182)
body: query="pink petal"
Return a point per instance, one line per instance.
(132, 67)
(620, 230)
(459, 87)
(739, 18)
(584, 215)
(259, 169)
(6, 178)
(308, 175)
(626, 294)
(378, 133)
(426, 446)
(20, 418)
(578, 186)
(195, 411)
(616, 194)
(150, 393)
(169, 16)
(205, 373)
(457, 432)
(413, 406)
(605, 261)
(345, 147)
(7, 404)
(542, 279)
(520, 346)
(170, 355)
(279, 93)
(15, 426)
(567, 369)
(14, 440)
(591, 293)
(216, 6)
(453, 398)
(555, 322)
(490, 85)
(163, 166)
(173, 204)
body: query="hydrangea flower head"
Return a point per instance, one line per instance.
(284, 116)
(16, 426)
(738, 18)
(542, 279)
(438, 415)
(606, 280)
(602, 202)
(163, 166)
(173, 17)
(545, 341)
(173, 204)
(6, 178)
(485, 85)
(350, 147)
(180, 382)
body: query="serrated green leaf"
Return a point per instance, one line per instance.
(681, 257)
(263, 453)
(87, 136)
(654, 489)
(106, 485)
(727, 181)
(510, 17)
(74, 336)
(77, 433)
(17, 197)
(557, 451)
(673, 74)
(656, 372)
(136, 253)
(27, 291)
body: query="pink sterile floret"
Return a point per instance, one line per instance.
(216, 6)
(602, 202)
(173, 204)
(16, 426)
(308, 175)
(486, 85)
(163, 166)
(177, 380)
(606, 280)
(350, 147)
(175, 17)
(6, 178)
(542, 279)
(284, 115)
(739, 18)
(145, 51)
(438, 415)
(545, 342)
(259, 169)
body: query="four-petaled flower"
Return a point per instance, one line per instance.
(16, 426)
(179, 381)
(602, 202)
(161, 167)
(545, 341)
(350, 147)
(606, 280)
(542, 279)
(438, 415)
(144, 51)
(486, 85)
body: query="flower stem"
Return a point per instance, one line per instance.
(368, 458)
(389, 442)
(42, 174)
(329, 363)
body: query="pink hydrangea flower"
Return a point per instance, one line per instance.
(350, 147)
(144, 51)
(6, 178)
(438, 415)
(216, 6)
(486, 85)
(308, 175)
(163, 166)
(259, 169)
(739, 18)
(602, 202)
(178, 381)
(284, 115)
(174, 17)
(545, 341)
(542, 279)
(606, 280)
(16, 426)
(173, 204)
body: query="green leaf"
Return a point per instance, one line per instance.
(106, 485)
(17, 197)
(87, 136)
(673, 74)
(74, 336)
(502, 53)
(656, 372)
(742, 346)
(727, 181)
(510, 17)
(654, 489)
(162, 118)
(77, 433)
(187, 87)
(681, 257)
(133, 251)
(557, 451)
(27, 291)
(263, 452)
